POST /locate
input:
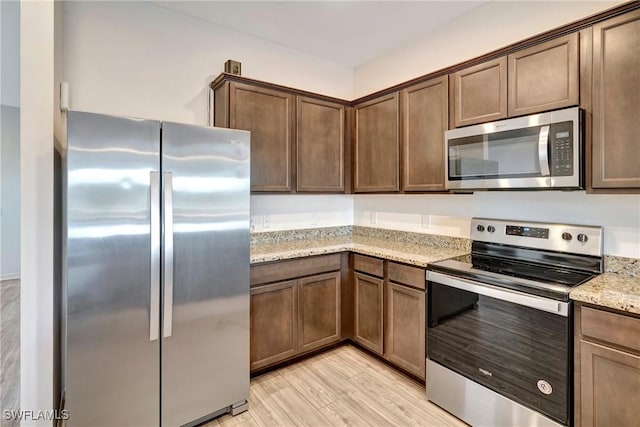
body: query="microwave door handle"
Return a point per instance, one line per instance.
(543, 150)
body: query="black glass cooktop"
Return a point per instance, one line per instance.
(534, 272)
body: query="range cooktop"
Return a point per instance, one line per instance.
(537, 258)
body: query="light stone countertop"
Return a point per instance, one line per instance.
(418, 255)
(618, 288)
(611, 290)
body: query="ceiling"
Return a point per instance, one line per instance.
(347, 32)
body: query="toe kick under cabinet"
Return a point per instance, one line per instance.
(295, 307)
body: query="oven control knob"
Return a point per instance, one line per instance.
(491, 229)
(480, 228)
(567, 236)
(582, 238)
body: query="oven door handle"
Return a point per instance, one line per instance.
(539, 303)
(543, 151)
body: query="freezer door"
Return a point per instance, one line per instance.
(205, 347)
(111, 362)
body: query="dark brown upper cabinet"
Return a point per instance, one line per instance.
(320, 143)
(479, 93)
(300, 141)
(425, 118)
(544, 77)
(269, 115)
(616, 103)
(376, 150)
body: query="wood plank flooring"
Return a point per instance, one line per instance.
(342, 387)
(9, 347)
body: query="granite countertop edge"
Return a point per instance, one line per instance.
(608, 290)
(428, 254)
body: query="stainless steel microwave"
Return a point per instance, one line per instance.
(541, 151)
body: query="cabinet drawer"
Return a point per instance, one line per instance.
(282, 270)
(406, 275)
(610, 327)
(369, 265)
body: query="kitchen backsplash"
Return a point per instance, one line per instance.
(629, 267)
(450, 214)
(270, 237)
(625, 266)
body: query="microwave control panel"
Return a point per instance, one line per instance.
(561, 143)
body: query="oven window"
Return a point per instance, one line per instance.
(506, 347)
(505, 154)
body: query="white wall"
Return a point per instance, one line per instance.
(451, 214)
(9, 192)
(10, 140)
(36, 174)
(489, 27)
(137, 59)
(286, 212)
(10, 53)
(482, 30)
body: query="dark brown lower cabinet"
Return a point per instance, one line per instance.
(291, 317)
(274, 314)
(610, 386)
(368, 316)
(302, 305)
(607, 391)
(405, 328)
(318, 310)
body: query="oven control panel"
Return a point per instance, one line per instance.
(571, 238)
(537, 232)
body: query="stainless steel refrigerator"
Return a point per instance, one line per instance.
(155, 272)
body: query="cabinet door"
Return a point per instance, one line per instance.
(480, 93)
(610, 387)
(616, 102)
(544, 77)
(368, 311)
(405, 328)
(274, 315)
(318, 310)
(425, 110)
(320, 145)
(376, 160)
(268, 114)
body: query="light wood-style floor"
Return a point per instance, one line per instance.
(344, 386)
(9, 347)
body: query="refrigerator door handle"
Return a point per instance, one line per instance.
(154, 285)
(168, 253)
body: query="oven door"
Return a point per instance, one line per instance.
(515, 344)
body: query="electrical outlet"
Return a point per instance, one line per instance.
(374, 217)
(426, 221)
(266, 221)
